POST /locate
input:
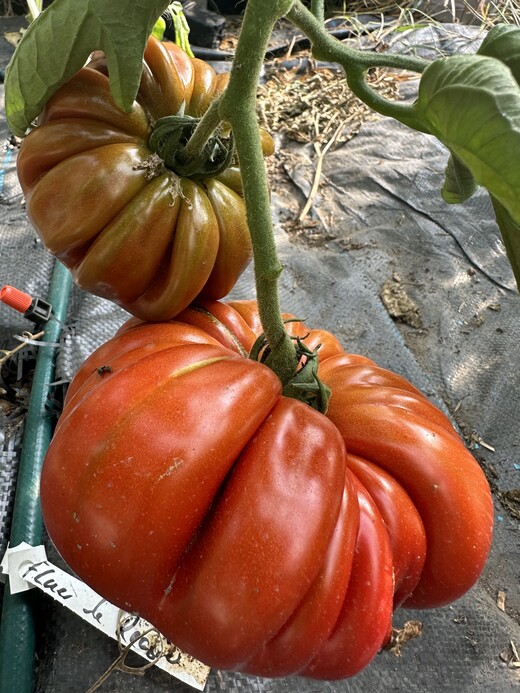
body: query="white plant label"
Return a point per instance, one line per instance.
(28, 567)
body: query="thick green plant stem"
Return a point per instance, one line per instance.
(356, 63)
(17, 628)
(327, 47)
(238, 107)
(318, 9)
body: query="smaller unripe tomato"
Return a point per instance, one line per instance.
(129, 224)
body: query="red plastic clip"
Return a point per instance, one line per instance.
(34, 309)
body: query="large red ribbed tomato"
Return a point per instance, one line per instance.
(129, 228)
(256, 533)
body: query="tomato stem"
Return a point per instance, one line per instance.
(356, 63)
(206, 126)
(238, 108)
(318, 9)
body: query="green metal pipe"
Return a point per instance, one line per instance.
(17, 627)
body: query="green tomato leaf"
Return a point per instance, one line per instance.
(471, 103)
(459, 183)
(57, 44)
(503, 43)
(510, 231)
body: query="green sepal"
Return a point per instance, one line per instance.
(169, 137)
(305, 385)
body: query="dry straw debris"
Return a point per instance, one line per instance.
(310, 103)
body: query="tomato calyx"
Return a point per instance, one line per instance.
(305, 384)
(169, 137)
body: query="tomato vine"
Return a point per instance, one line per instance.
(238, 107)
(453, 92)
